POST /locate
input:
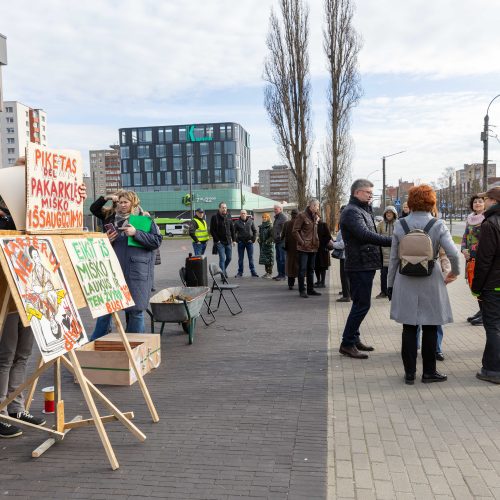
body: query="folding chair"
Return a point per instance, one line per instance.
(222, 287)
(183, 277)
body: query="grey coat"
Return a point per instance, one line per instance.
(422, 300)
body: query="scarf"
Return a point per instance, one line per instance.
(121, 218)
(474, 219)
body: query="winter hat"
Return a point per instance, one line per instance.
(493, 193)
(391, 208)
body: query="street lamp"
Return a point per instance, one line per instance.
(484, 138)
(383, 174)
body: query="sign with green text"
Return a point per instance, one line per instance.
(100, 275)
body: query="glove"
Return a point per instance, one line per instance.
(389, 293)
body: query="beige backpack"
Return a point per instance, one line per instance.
(416, 253)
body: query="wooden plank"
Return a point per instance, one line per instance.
(51, 441)
(119, 415)
(31, 390)
(17, 422)
(93, 410)
(59, 403)
(7, 283)
(138, 373)
(90, 421)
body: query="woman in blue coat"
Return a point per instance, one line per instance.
(137, 262)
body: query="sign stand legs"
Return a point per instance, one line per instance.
(138, 373)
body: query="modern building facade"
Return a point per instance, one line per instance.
(105, 173)
(20, 125)
(278, 183)
(162, 158)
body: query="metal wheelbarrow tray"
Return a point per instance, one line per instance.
(181, 311)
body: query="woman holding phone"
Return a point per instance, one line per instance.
(137, 262)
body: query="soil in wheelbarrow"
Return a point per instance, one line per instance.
(175, 299)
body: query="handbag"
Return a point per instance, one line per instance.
(337, 254)
(469, 271)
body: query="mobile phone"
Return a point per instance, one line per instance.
(110, 228)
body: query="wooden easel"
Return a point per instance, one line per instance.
(88, 389)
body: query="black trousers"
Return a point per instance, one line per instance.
(306, 270)
(383, 279)
(409, 348)
(344, 280)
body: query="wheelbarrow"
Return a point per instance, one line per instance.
(180, 304)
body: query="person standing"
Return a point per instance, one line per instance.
(305, 231)
(222, 231)
(405, 210)
(266, 257)
(486, 284)
(421, 300)
(469, 247)
(279, 220)
(245, 234)
(363, 257)
(198, 230)
(386, 228)
(322, 261)
(290, 245)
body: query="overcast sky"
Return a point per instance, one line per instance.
(429, 70)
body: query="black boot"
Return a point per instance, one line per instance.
(471, 318)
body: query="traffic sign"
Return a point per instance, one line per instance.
(443, 204)
(397, 203)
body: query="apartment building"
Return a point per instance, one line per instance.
(105, 171)
(277, 183)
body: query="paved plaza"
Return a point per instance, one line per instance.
(262, 405)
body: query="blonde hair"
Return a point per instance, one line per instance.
(122, 193)
(266, 216)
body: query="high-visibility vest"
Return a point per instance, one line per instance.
(201, 232)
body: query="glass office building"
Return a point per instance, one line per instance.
(217, 155)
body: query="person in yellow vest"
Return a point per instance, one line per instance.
(199, 232)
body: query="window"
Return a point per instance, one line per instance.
(217, 175)
(209, 131)
(145, 135)
(123, 137)
(10, 119)
(161, 150)
(229, 132)
(199, 132)
(10, 130)
(11, 161)
(137, 179)
(177, 163)
(10, 140)
(176, 150)
(43, 118)
(229, 161)
(222, 130)
(230, 147)
(136, 166)
(163, 164)
(217, 148)
(11, 151)
(9, 109)
(182, 134)
(149, 179)
(158, 178)
(44, 138)
(125, 180)
(143, 152)
(217, 162)
(168, 135)
(124, 152)
(148, 165)
(204, 162)
(230, 175)
(168, 178)
(124, 166)
(189, 149)
(134, 136)
(203, 148)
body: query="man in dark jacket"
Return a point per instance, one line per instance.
(363, 258)
(222, 231)
(279, 220)
(486, 284)
(305, 231)
(246, 234)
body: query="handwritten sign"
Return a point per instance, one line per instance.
(53, 177)
(100, 275)
(45, 294)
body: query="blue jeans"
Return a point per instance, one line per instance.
(361, 292)
(134, 320)
(248, 246)
(439, 337)
(225, 253)
(199, 248)
(280, 258)
(491, 321)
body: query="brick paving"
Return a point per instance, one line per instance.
(263, 406)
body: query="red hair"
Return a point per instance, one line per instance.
(422, 198)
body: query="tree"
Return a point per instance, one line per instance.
(287, 94)
(342, 45)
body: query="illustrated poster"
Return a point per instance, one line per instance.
(53, 177)
(45, 294)
(100, 275)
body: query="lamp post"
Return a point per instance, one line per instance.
(190, 168)
(484, 138)
(382, 204)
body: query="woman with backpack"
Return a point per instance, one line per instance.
(469, 247)
(416, 284)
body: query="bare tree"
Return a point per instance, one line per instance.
(342, 45)
(287, 93)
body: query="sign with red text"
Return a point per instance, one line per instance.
(53, 177)
(100, 275)
(45, 294)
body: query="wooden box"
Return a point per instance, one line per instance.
(105, 361)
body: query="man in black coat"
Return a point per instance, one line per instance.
(363, 256)
(246, 234)
(486, 284)
(222, 231)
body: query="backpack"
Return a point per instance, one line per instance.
(416, 253)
